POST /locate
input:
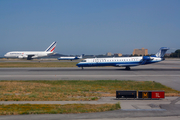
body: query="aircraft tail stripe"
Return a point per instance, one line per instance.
(51, 47)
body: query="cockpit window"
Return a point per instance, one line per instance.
(83, 61)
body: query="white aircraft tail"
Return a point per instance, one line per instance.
(51, 47)
(81, 56)
(161, 52)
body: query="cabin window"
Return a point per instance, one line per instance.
(83, 61)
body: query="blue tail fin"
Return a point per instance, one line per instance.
(161, 52)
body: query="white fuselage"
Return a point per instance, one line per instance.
(25, 54)
(66, 58)
(69, 58)
(117, 61)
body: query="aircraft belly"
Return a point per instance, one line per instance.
(151, 62)
(108, 64)
(128, 64)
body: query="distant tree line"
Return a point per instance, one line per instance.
(176, 54)
(141, 55)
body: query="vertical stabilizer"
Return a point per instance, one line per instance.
(162, 52)
(81, 56)
(51, 47)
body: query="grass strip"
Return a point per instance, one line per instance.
(17, 109)
(72, 90)
(37, 64)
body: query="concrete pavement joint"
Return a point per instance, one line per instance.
(135, 106)
(143, 109)
(175, 101)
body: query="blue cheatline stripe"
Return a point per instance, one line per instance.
(108, 63)
(51, 47)
(113, 64)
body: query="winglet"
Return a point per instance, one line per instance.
(51, 47)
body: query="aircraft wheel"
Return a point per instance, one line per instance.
(127, 68)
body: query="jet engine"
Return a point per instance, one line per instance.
(22, 56)
(147, 58)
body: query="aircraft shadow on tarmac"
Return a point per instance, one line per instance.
(154, 69)
(104, 69)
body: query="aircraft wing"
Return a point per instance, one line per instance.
(30, 57)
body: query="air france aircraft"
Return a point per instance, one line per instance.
(126, 62)
(70, 58)
(31, 54)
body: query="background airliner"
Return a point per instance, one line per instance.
(31, 54)
(70, 58)
(126, 62)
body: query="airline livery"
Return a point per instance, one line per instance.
(70, 58)
(31, 54)
(126, 62)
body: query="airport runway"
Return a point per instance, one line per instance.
(166, 72)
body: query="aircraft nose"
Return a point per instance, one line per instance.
(6, 55)
(78, 65)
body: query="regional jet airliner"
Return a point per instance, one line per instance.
(126, 62)
(70, 58)
(31, 54)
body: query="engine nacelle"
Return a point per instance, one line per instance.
(22, 56)
(147, 58)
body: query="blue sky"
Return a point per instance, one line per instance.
(89, 26)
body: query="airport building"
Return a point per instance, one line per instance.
(108, 54)
(140, 52)
(117, 54)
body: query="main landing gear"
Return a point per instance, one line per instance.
(82, 68)
(127, 68)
